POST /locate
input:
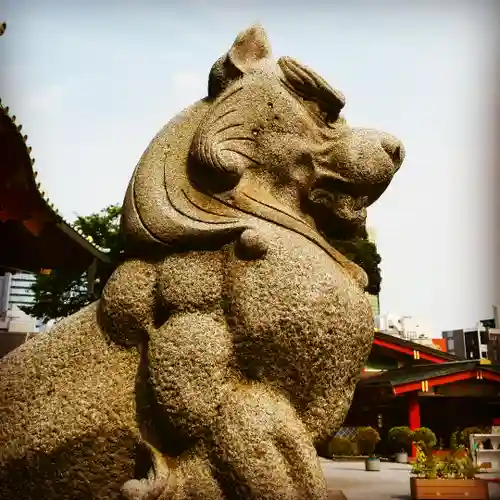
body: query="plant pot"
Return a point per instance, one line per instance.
(448, 489)
(372, 464)
(401, 457)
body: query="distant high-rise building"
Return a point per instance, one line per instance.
(481, 342)
(374, 302)
(15, 290)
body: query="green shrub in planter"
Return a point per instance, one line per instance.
(464, 435)
(400, 439)
(366, 440)
(454, 441)
(424, 435)
(340, 446)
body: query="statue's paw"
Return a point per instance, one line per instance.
(148, 489)
(160, 484)
(136, 489)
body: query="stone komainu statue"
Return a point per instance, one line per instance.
(230, 341)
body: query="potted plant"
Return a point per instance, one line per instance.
(424, 435)
(454, 440)
(401, 438)
(366, 440)
(340, 447)
(463, 437)
(446, 478)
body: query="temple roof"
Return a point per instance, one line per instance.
(413, 378)
(34, 236)
(416, 350)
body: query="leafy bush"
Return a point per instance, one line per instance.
(424, 435)
(464, 435)
(457, 465)
(362, 252)
(401, 438)
(340, 446)
(366, 440)
(454, 441)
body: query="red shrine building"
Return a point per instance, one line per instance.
(406, 383)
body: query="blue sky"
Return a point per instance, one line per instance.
(92, 85)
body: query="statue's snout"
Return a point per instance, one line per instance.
(394, 149)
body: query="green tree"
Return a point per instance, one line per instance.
(61, 293)
(364, 253)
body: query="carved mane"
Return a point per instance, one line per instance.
(166, 205)
(163, 207)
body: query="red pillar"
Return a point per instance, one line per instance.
(414, 416)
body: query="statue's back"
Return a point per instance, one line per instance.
(67, 402)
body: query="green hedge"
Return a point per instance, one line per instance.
(340, 446)
(366, 440)
(426, 436)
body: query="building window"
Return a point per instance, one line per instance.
(451, 344)
(18, 299)
(21, 291)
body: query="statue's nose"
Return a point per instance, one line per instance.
(394, 148)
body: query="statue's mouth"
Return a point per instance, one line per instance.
(362, 195)
(335, 201)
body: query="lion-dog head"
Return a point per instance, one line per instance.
(269, 142)
(280, 124)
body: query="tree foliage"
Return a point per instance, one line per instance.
(62, 293)
(104, 229)
(364, 253)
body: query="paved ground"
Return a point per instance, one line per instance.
(390, 483)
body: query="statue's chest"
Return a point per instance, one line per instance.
(297, 291)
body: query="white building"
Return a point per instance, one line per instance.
(405, 327)
(15, 292)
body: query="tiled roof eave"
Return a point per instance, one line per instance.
(414, 346)
(401, 376)
(73, 232)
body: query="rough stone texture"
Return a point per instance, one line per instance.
(230, 342)
(67, 406)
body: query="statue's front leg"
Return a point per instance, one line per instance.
(261, 450)
(186, 374)
(257, 449)
(250, 438)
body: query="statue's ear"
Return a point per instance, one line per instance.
(250, 49)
